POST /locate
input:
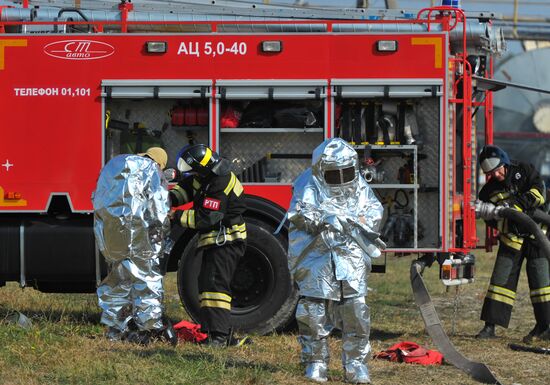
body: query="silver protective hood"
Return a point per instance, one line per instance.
(325, 257)
(131, 225)
(131, 209)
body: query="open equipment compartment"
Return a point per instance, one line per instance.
(395, 126)
(164, 113)
(269, 128)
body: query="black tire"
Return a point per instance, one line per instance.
(264, 298)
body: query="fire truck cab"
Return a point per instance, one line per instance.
(81, 86)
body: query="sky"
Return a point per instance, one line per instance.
(506, 7)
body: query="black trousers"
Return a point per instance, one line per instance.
(217, 269)
(501, 295)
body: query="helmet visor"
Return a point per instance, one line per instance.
(339, 176)
(183, 166)
(490, 164)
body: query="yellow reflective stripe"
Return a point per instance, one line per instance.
(215, 295)
(500, 298)
(196, 184)
(511, 241)
(503, 291)
(242, 341)
(207, 157)
(211, 234)
(204, 241)
(231, 234)
(238, 189)
(542, 290)
(179, 197)
(181, 194)
(514, 238)
(538, 196)
(518, 208)
(214, 303)
(542, 298)
(178, 188)
(499, 197)
(188, 219)
(191, 219)
(230, 185)
(236, 235)
(183, 219)
(235, 228)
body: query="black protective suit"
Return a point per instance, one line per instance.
(218, 206)
(523, 190)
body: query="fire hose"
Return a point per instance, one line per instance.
(531, 349)
(476, 370)
(529, 223)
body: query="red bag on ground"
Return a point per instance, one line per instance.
(411, 353)
(188, 331)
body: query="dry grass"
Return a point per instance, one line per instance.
(65, 345)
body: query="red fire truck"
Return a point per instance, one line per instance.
(263, 86)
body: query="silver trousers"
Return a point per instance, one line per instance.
(133, 290)
(316, 319)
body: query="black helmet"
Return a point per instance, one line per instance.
(492, 157)
(199, 158)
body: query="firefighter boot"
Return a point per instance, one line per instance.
(488, 331)
(238, 342)
(545, 335)
(540, 331)
(356, 373)
(139, 337)
(220, 340)
(217, 340)
(114, 334)
(316, 371)
(168, 334)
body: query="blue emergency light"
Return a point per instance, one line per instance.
(451, 3)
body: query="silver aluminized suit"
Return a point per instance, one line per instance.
(131, 224)
(330, 248)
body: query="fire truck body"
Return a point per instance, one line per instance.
(73, 100)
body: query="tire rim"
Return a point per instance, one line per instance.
(253, 282)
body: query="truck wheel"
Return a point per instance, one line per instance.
(264, 297)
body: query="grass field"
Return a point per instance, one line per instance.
(66, 344)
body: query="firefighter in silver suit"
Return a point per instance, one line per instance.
(131, 224)
(334, 216)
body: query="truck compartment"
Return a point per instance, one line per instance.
(396, 131)
(269, 128)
